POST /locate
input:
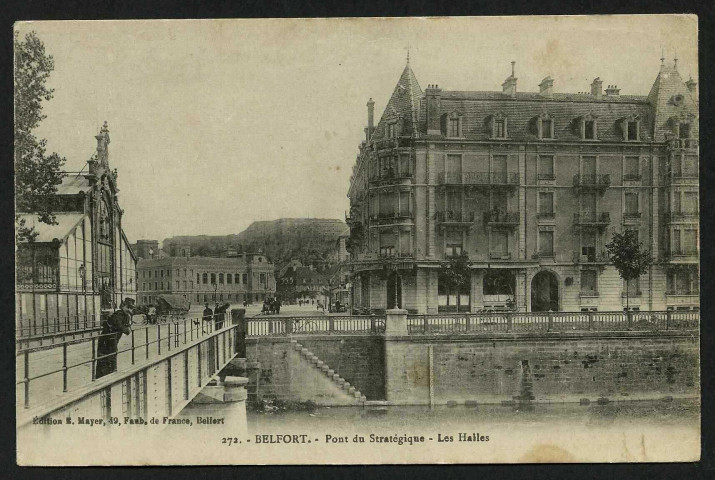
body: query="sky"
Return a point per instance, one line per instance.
(215, 124)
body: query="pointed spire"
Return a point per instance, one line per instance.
(675, 60)
(662, 56)
(408, 54)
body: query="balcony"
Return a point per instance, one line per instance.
(487, 179)
(41, 276)
(499, 256)
(632, 177)
(631, 216)
(683, 255)
(592, 219)
(591, 258)
(683, 143)
(451, 217)
(391, 178)
(592, 182)
(545, 215)
(682, 217)
(392, 217)
(546, 177)
(501, 219)
(395, 255)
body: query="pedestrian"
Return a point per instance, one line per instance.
(207, 317)
(278, 305)
(113, 327)
(152, 314)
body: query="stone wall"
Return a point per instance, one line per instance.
(545, 369)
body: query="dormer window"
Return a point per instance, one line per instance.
(391, 130)
(684, 130)
(499, 126)
(545, 126)
(631, 128)
(589, 128)
(452, 125)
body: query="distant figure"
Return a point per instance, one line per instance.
(220, 314)
(300, 302)
(151, 314)
(207, 317)
(278, 305)
(320, 306)
(113, 328)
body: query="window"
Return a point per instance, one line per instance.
(588, 246)
(690, 166)
(631, 204)
(589, 283)
(162, 273)
(546, 243)
(546, 167)
(546, 127)
(205, 278)
(499, 282)
(631, 130)
(184, 272)
(453, 245)
(213, 278)
(405, 204)
(177, 272)
(245, 278)
(184, 284)
(220, 278)
(197, 279)
(684, 130)
(499, 128)
(690, 241)
(546, 204)
(229, 278)
(632, 169)
(262, 280)
(453, 127)
(156, 285)
(683, 282)
(237, 278)
(451, 298)
(499, 244)
(391, 130)
(589, 129)
(690, 202)
(632, 288)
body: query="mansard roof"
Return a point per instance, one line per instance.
(521, 112)
(667, 86)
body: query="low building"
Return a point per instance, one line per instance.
(246, 278)
(299, 284)
(82, 266)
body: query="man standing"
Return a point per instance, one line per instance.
(113, 328)
(208, 316)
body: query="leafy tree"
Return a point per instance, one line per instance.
(456, 273)
(629, 257)
(37, 174)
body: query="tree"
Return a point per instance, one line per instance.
(456, 273)
(628, 256)
(37, 174)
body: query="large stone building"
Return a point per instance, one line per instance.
(81, 266)
(531, 185)
(249, 277)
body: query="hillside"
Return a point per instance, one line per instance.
(306, 239)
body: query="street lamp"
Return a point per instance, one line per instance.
(82, 274)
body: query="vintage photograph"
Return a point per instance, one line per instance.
(357, 241)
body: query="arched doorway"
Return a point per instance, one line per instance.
(394, 291)
(544, 292)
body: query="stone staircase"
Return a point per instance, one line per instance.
(330, 373)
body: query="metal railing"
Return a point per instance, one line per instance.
(315, 325)
(30, 329)
(592, 218)
(593, 181)
(38, 274)
(478, 178)
(455, 216)
(683, 143)
(501, 218)
(144, 344)
(514, 322)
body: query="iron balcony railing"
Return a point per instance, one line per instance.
(37, 274)
(451, 216)
(478, 178)
(683, 143)
(592, 219)
(547, 176)
(502, 218)
(600, 257)
(684, 252)
(682, 216)
(391, 217)
(545, 215)
(600, 181)
(632, 177)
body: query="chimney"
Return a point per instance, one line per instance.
(370, 118)
(546, 88)
(613, 90)
(691, 84)
(509, 85)
(433, 110)
(596, 88)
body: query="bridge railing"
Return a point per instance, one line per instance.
(48, 328)
(72, 364)
(508, 322)
(314, 325)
